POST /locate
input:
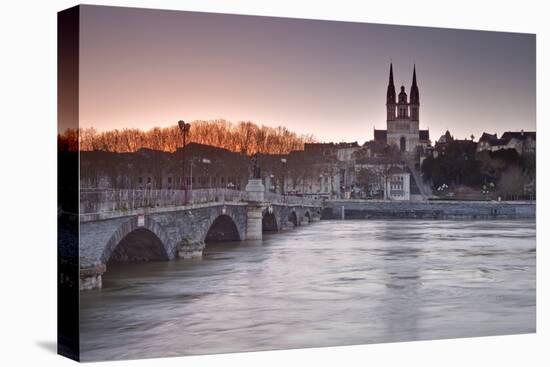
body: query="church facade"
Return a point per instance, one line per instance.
(403, 118)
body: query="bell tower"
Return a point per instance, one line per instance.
(402, 105)
(402, 128)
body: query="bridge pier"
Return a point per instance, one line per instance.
(254, 211)
(188, 249)
(90, 274)
(254, 222)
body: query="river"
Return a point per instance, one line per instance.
(325, 284)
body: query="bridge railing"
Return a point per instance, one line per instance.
(104, 201)
(289, 199)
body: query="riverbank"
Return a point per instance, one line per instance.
(381, 209)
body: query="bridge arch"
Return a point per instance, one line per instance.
(293, 218)
(269, 222)
(307, 217)
(222, 228)
(133, 243)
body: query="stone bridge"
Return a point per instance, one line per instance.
(144, 225)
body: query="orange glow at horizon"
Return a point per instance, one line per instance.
(146, 68)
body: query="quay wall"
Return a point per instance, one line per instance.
(380, 209)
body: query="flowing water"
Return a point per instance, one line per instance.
(325, 284)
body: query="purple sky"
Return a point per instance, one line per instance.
(144, 68)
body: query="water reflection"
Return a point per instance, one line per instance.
(329, 283)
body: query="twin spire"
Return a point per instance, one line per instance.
(414, 95)
(391, 96)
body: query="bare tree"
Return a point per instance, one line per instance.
(512, 183)
(245, 137)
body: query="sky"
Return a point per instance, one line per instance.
(144, 68)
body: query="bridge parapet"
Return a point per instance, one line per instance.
(105, 201)
(96, 201)
(291, 200)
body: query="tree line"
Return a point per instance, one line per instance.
(503, 173)
(244, 137)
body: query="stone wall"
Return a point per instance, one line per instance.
(361, 209)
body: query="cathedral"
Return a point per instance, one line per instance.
(403, 116)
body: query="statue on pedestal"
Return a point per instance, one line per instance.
(256, 173)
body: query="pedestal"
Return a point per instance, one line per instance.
(255, 189)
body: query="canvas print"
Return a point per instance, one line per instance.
(233, 183)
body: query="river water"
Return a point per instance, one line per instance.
(325, 284)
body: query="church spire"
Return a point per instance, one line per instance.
(390, 97)
(414, 95)
(414, 98)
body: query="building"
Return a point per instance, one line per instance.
(522, 141)
(446, 141)
(342, 152)
(487, 142)
(322, 170)
(398, 184)
(403, 118)
(345, 151)
(147, 169)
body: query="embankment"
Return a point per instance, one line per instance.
(379, 209)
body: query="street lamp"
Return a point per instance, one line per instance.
(184, 128)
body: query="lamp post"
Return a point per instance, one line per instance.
(184, 128)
